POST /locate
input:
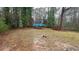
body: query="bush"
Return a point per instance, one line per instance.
(3, 26)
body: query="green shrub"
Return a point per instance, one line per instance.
(3, 26)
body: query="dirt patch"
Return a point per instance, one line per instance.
(40, 43)
(66, 46)
(16, 40)
(30, 39)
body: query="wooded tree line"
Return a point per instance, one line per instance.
(46, 14)
(55, 17)
(17, 16)
(70, 19)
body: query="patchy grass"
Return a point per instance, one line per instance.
(71, 38)
(19, 39)
(22, 39)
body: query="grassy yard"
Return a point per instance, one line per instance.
(39, 39)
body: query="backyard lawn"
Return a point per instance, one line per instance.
(45, 39)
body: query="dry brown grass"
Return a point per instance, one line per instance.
(19, 39)
(22, 39)
(62, 37)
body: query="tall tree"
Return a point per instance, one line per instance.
(23, 16)
(29, 16)
(6, 15)
(15, 17)
(51, 17)
(64, 9)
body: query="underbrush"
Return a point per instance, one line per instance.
(3, 27)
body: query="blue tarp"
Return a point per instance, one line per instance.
(38, 25)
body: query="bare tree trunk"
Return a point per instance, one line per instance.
(61, 18)
(64, 9)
